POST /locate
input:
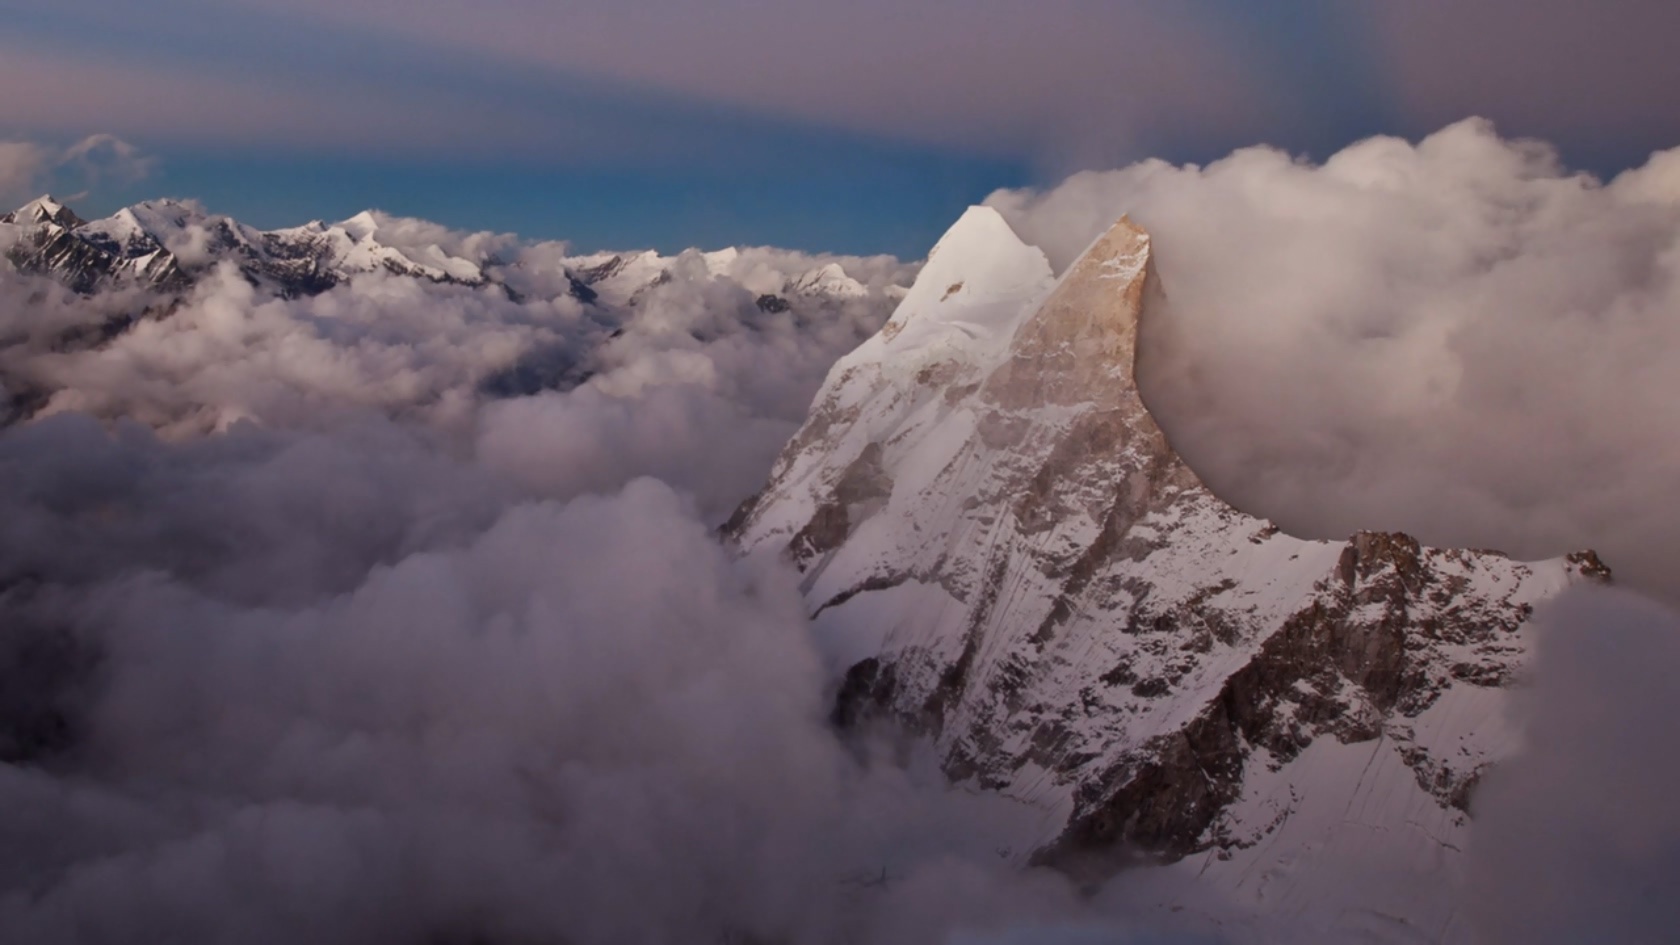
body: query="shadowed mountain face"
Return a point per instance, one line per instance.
(1003, 550)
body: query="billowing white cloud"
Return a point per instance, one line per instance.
(585, 723)
(1456, 338)
(104, 159)
(355, 617)
(694, 367)
(592, 441)
(228, 353)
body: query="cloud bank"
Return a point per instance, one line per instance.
(357, 618)
(586, 724)
(1457, 338)
(693, 367)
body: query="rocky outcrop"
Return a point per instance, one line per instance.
(1003, 551)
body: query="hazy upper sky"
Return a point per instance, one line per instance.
(858, 126)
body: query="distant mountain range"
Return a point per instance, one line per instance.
(168, 245)
(144, 262)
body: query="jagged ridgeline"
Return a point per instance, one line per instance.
(1003, 547)
(168, 245)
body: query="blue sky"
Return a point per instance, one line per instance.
(851, 196)
(863, 127)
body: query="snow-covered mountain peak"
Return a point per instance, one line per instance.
(828, 280)
(719, 261)
(980, 229)
(43, 210)
(159, 218)
(372, 241)
(979, 260)
(1002, 550)
(361, 226)
(976, 285)
(154, 225)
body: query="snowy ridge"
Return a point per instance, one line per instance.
(830, 280)
(41, 211)
(1002, 549)
(167, 245)
(626, 278)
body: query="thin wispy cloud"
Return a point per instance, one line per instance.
(22, 164)
(995, 76)
(29, 168)
(1064, 82)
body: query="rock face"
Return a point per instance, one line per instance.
(1003, 550)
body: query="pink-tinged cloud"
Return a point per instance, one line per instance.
(1556, 68)
(187, 104)
(1090, 79)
